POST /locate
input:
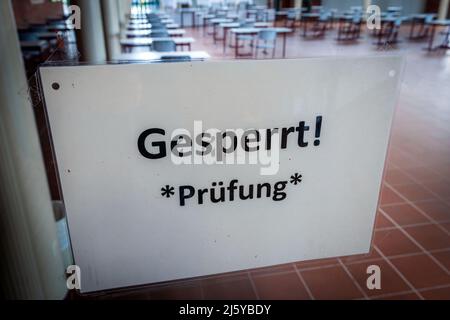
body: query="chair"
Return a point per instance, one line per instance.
(268, 37)
(28, 36)
(164, 46)
(320, 26)
(245, 37)
(349, 28)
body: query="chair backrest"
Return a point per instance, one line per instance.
(324, 17)
(28, 36)
(292, 14)
(429, 18)
(155, 21)
(356, 19)
(267, 34)
(159, 33)
(164, 46)
(158, 26)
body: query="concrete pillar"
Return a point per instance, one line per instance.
(443, 9)
(121, 13)
(32, 266)
(111, 26)
(298, 3)
(366, 4)
(91, 39)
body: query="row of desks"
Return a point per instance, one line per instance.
(164, 56)
(148, 33)
(148, 26)
(148, 41)
(139, 33)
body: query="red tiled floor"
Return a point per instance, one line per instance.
(414, 192)
(388, 197)
(436, 209)
(394, 242)
(127, 295)
(430, 237)
(285, 286)
(421, 271)
(225, 288)
(446, 226)
(422, 174)
(405, 214)
(382, 221)
(437, 294)
(391, 282)
(331, 283)
(443, 257)
(397, 177)
(441, 188)
(402, 296)
(187, 292)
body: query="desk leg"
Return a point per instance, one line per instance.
(284, 44)
(411, 31)
(214, 33)
(225, 31)
(430, 43)
(236, 47)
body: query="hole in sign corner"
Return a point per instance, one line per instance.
(55, 86)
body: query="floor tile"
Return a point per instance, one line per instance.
(421, 271)
(443, 257)
(382, 221)
(436, 209)
(397, 177)
(422, 174)
(394, 242)
(437, 294)
(388, 197)
(414, 192)
(228, 288)
(189, 292)
(441, 188)
(403, 296)
(446, 226)
(405, 214)
(429, 237)
(331, 283)
(286, 286)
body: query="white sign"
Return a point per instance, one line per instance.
(149, 199)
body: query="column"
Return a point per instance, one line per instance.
(91, 39)
(111, 26)
(366, 4)
(443, 9)
(31, 256)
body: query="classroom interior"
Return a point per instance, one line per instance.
(411, 239)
